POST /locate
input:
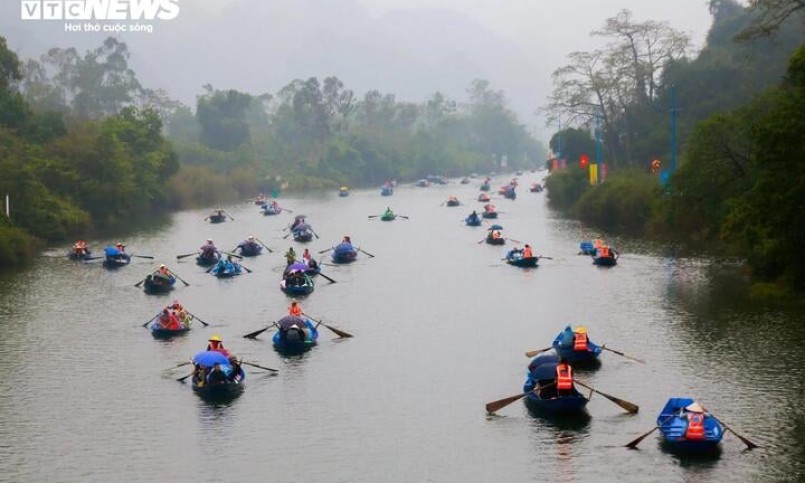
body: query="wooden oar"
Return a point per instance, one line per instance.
(178, 366)
(264, 245)
(373, 216)
(328, 278)
(546, 258)
(179, 257)
(139, 283)
(538, 351)
(403, 216)
(513, 240)
(367, 253)
(314, 233)
(181, 379)
(252, 335)
(633, 444)
(247, 270)
(197, 318)
(179, 278)
(749, 444)
(286, 209)
(629, 407)
(230, 216)
(325, 251)
(338, 332)
(234, 255)
(259, 367)
(286, 236)
(152, 319)
(623, 355)
(149, 257)
(495, 406)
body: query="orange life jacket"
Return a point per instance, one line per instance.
(579, 342)
(598, 243)
(527, 253)
(695, 429)
(564, 377)
(605, 252)
(295, 310)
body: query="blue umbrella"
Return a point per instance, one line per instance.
(111, 251)
(210, 358)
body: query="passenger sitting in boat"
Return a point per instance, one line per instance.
(209, 249)
(473, 216)
(168, 321)
(216, 375)
(216, 345)
(295, 309)
(120, 247)
(295, 278)
(606, 252)
(496, 234)
(247, 243)
(235, 374)
(694, 413)
(346, 240)
(489, 208)
(163, 270)
(564, 379)
(388, 212)
(527, 252)
(290, 256)
(80, 248)
(515, 253)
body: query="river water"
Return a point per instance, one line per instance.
(440, 327)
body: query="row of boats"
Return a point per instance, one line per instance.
(685, 426)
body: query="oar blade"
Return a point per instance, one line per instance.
(338, 332)
(252, 335)
(495, 406)
(633, 444)
(538, 351)
(626, 405)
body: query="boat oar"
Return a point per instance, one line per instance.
(179, 278)
(252, 335)
(152, 319)
(149, 257)
(623, 355)
(403, 216)
(365, 252)
(179, 257)
(338, 332)
(495, 406)
(538, 351)
(197, 318)
(139, 283)
(286, 209)
(749, 444)
(187, 363)
(181, 379)
(328, 278)
(314, 234)
(325, 251)
(286, 236)
(546, 258)
(513, 240)
(629, 407)
(234, 255)
(373, 216)
(264, 245)
(230, 216)
(247, 270)
(633, 443)
(259, 367)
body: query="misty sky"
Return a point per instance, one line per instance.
(411, 48)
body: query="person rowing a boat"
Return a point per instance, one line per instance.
(247, 244)
(120, 247)
(169, 321)
(295, 309)
(290, 256)
(209, 250)
(388, 213)
(216, 345)
(473, 218)
(527, 252)
(80, 248)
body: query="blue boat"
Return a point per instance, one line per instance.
(509, 193)
(226, 269)
(217, 218)
(344, 253)
(250, 249)
(486, 186)
(272, 208)
(674, 421)
(215, 379)
(114, 258)
(297, 282)
(295, 335)
(208, 259)
(386, 191)
(160, 332)
(515, 257)
(302, 233)
(542, 373)
(473, 220)
(586, 248)
(156, 283)
(565, 346)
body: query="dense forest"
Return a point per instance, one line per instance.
(86, 147)
(739, 107)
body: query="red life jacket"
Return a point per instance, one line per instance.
(695, 429)
(579, 342)
(564, 377)
(605, 252)
(295, 310)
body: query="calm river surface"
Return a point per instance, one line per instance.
(440, 328)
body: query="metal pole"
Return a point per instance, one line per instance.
(8, 208)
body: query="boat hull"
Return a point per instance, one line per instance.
(302, 236)
(217, 218)
(605, 261)
(116, 261)
(285, 344)
(495, 241)
(207, 261)
(563, 345)
(529, 262)
(158, 332)
(473, 221)
(490, 215)
(153, 287)
(251, 250)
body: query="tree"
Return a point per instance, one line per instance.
(222, 117)
(771, 14)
